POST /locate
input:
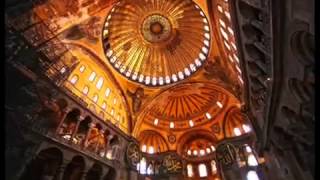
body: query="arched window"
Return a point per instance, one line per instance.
(143, 166)
(202, 152)
(99, 83)
(114, 101)
(82, 68)
(150, 169)
(203, 170)
(213, 167)
(92, 76)
(85, 90)
(74, 79)
(104, 105)
(112, 112)
(151, 150)
(62, 70)
(107, 92)
(237, 131)
(252, 175)
(95, 98)
(189, 170)
(252, 161)
(144, 148)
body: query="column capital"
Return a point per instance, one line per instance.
(92, 125)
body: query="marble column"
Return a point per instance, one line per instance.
(61, 169)
(91, 125)
(76, 128)
(63, 117)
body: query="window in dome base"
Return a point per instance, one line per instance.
(189, 170)
(203, 170)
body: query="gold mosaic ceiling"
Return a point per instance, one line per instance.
(185, 105)
(156, 42)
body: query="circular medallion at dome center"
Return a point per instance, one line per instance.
(156, 28)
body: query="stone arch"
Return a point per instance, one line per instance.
(45, 164)
(74, 169)
(95, 172)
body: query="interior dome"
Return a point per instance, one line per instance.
(156, 42)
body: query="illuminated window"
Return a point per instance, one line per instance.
(240, 79)
(143, 166)
(237, 131)
(92, 76)
(234, 46)
(219, 104)
(252, 175)
(248, 149)
(236, 58)
(213, 167)
(252, 161)
(208, 115)
(230, 58)
(74, 79)
(112, 111)
(189, 152)
(155, 122)
(99, 83)
(227, 45)
(203, 170)
(227, 15)
(202, 152)
(191, 123)
(222, 23)
(171, 125)
(85, 90)
(144, 148)
(150, 169)
(195, 152)
(230, 30)
(208, 150)
(246, 128)
(220, 9)
(114, 101)
(150, 150)
(189, 170)
(224, 34)
(107, 92)
(213, 148)
(104, 106)
(82, 68)
(138, 167)
(62, 70)
(95, 98)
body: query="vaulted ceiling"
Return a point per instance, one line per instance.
(157, 69)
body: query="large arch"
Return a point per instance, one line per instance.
(108, 77)
(45, 164)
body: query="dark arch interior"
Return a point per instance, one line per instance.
(46, 164)
(74, 169)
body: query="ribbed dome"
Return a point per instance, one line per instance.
(156, 42)
(185, 106)
(152, 139)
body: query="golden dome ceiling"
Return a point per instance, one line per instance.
(156, 42)
(185, 105)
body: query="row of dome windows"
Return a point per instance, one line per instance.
(202, 169)
(229, 37)
(191, 122)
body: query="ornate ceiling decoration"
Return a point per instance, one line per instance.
(156, 42)
(184, 106)
(152, 139)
